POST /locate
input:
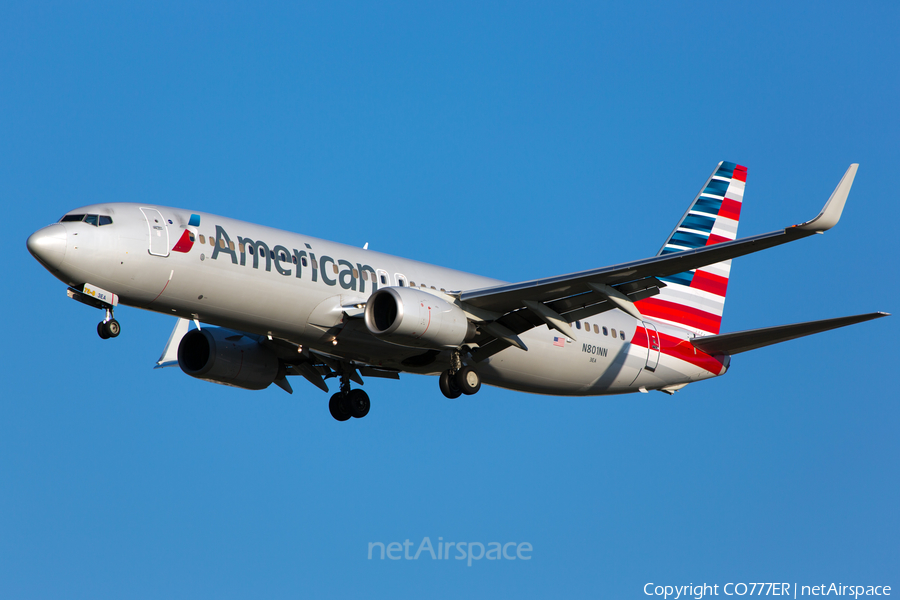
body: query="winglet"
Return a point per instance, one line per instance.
(831, 213)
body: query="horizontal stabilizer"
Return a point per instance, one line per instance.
(741, 341)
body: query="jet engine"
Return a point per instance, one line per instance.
(227, 357)
(410, 317)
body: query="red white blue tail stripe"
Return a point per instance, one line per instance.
(695, 299)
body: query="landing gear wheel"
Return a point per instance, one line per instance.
(448, 385)
(467, 380)
(108, 329)
(339, 407)
(358, 403)
(113, 328)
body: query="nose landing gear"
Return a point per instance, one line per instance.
(99, 298)
(108, 327)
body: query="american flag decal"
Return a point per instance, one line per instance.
(559, 341)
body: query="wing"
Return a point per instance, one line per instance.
(505, 311)
(295, 360)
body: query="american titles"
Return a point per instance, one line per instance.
(295, 262)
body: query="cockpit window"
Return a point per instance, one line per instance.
(95, 220)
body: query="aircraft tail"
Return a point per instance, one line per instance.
(695, 299)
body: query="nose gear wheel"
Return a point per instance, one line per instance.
(108, 327)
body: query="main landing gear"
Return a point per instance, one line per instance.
(459, 380)
(108, 327)
(348, 403)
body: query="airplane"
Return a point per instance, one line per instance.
(268, 304)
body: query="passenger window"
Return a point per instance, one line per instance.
(434, 288)
(203, 240)
(622, 335)
(240, 247)
(614, 333)
(212, 242)
(315, 264)
(596, 329)
(355, 274)
(577, 324)
(231, 246)
(335, 268)
(604, 331)
(384, 280)
(400, 281)
(92, 220)
(72, 219)
(251, 250)
(303, 260)
(422, 285)
(222, 243)
(104, 220)
(587, 326)
(412, 284)
(365, 275)
(190, 234)
(294, 259)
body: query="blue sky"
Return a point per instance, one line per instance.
(515, 140)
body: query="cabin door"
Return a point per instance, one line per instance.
(652, 346)
(159, 232)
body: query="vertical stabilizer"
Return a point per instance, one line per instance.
(695, 299)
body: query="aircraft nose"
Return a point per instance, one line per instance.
(48, 245)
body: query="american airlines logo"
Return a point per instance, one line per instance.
(294, 262)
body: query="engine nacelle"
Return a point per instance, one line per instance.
(227, 357)
(410, 317)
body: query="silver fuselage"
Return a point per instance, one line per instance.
(296, 287)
